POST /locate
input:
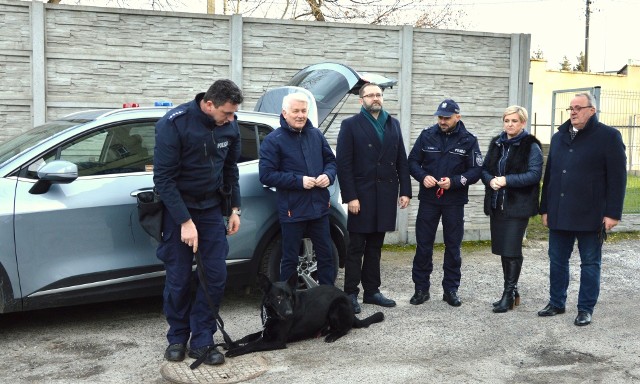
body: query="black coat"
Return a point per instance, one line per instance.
(522, 169)
(375, 173)
(585, 179)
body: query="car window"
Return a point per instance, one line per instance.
(251, 135)
(119, 149)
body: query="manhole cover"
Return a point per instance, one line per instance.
(232, 371)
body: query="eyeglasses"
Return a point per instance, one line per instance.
(578, 108)
(372, 95)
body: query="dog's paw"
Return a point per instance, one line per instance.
(333, 336)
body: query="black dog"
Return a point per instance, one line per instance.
(290, 315)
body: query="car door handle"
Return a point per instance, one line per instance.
(137, 191)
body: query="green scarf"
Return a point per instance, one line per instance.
(378, 123)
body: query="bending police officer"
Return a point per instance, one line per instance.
(196, 152)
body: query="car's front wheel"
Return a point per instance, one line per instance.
(307, 263)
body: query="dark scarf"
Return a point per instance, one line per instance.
(378, 123)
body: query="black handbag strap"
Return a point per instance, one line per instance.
(228, 342)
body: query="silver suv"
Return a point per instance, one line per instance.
(69, 230)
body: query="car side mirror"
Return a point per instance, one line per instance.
(54, 172)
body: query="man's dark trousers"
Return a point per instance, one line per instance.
(367, 270)
(561, 245)
(453, 230)
(183, 316)
(319, 233)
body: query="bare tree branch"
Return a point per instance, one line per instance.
(315, 9)
(420, 13)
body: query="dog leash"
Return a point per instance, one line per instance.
(228, 342)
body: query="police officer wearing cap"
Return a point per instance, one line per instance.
(445, 160)
(196, 152)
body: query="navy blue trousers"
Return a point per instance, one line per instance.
(453, 230)
(320, 234)
(189, 317)
(560, 248)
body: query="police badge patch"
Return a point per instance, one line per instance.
(479, 160)
(463, 180)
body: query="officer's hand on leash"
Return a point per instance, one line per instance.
(189, 234)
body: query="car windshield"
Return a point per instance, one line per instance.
(28, 139)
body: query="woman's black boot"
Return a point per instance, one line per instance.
(511, 281)
(504, 276)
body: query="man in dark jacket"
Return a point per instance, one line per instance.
(582, 196)
(372, 170)
(297, 160)
(196, 152)
(445, 160)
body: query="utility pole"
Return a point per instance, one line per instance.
(586, 37)
(211, 7)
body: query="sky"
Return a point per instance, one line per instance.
(557, 27)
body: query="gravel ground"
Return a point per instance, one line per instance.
(123, 342)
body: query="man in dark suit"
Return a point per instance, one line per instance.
(372, 171)
(582, 196)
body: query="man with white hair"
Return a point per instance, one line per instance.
(297, 160)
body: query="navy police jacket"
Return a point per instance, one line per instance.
(456, 156)
(584, 179)
(286, 155)
(193, 158)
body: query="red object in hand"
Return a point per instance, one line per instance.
(439, 192)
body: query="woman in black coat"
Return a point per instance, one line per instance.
(511, 174)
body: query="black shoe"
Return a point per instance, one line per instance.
(378, 299)
(550, 310)
(419, 297)
(175, 352)
(214, 357)
(452, 298)
(583, 318)
(354, 302)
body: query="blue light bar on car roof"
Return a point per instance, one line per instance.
(163, 104)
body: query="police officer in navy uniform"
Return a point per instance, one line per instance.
(196, 152)
(445, 160)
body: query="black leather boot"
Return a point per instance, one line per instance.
(514, 266)
(516, 294)
(504, 276)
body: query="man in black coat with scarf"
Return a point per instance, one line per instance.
(372, 171)
(582, 197)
